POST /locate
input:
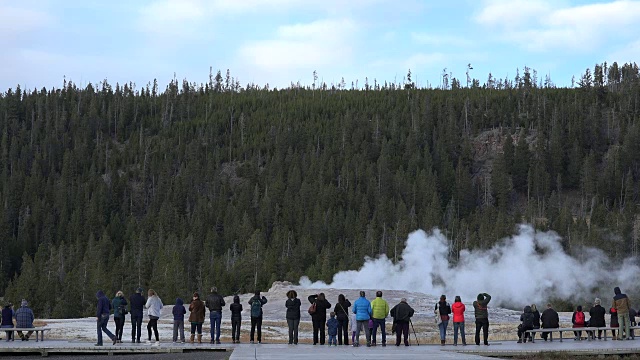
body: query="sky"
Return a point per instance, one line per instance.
(278, 42)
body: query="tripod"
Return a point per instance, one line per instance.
(414, 332)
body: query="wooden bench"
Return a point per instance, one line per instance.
(587, 329)
(38, 330)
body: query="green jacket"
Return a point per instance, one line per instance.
(379, 308)
(480, 307)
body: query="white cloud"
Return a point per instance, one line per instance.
(172, 20)
(628, 53)
(440, 40)
(18, 20)
(319, 43)
(542, 26)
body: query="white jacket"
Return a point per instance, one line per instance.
(153, 306)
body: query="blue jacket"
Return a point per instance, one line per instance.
(179, 310)
(362, 309)
(104, 305)
(24, 317)
(332, 326)
(137, 302)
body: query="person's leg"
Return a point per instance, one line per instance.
(462, 334)
(175, 331)
(314, 323)
(218, 317)
(405, 330)
(181, 329)
(296, 325)
(259, 324)
(456, 327)
(105, 322)
(621, 329)
(398, 333)
(485, 331)
(356, 337)
(367, 332)
(626, 320)
(340, 326)
(374, 333)
(321, 325)
(346, 331)
(98, 325)
(155, 330)
(478, 327)
(383, 326)
(149, 329)
(290, 325)
(254, 321)
(213, 327)
(193, 332)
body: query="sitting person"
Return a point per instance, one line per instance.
(550, 320)
(596, 319)
(526, 324)
(24, 319)
(578, 321)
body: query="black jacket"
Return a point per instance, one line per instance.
(401, 313)
(215, 302)
(236, 310)
(536, 319)
(342, 310)
(293, 309)
(596, 316)
(550, 319)
(137, 301)
(527, 318)
(321, 307)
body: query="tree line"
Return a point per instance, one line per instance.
(111, 188)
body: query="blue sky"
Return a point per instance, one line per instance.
(284, 41)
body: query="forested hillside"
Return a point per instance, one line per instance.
(114, 186)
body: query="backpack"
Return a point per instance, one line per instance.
(256, 308)
(579, 318)
(527, 321)
(312, 309)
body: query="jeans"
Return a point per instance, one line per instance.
(623, 320)
(235, 328)
(482, 323)
(136, 325)
(119, 326)
(178, 326)
(293, 330)
(363, 324)
(459, 326)
(196, 327)
(343, 330)
(443, 329)
(318, 327)
(216, 318)
(102, 326)
(383, 330)
(332, 340)
(153, 324)
(402, 329)
(256, 322)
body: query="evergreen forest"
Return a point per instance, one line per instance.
(113, 187)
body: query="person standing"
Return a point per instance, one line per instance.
(443, 309)
(621, 304)
(362, 309)
(458, 309)
(154, 308)
(196, 317)
(136, 304)
(215, 303)
(119, 304)
(550, 320)
(178, 312)
(481, 310)
(319, 316)
(7, 319)
(596, 317)
(293, 315)
(256, 303)
(236, 319)
(102, 315)
(401, 314)
(379, 311)
(342, 315)
(332, 329)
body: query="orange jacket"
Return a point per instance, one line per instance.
(458, 311)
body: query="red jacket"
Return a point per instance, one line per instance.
(458, 311)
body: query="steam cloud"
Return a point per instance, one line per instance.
(530, 266)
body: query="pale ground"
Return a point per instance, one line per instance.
(274, 329)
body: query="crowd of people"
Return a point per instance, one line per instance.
(343, 324)
(622, 318)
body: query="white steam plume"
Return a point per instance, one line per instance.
(530, 266)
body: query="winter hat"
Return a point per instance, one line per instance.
(140, 290)
(24, 303)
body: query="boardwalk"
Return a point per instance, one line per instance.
(283, 351)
